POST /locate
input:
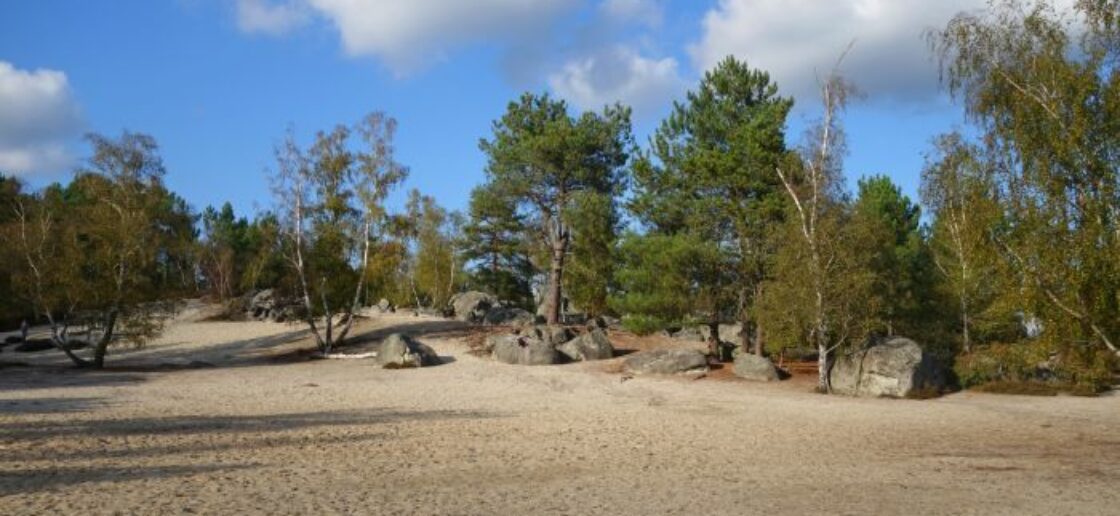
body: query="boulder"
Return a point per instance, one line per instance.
(472, 306)
(690, 333)
(524, 350)
(754, 367)
(592, 345)
(895, 368)
(666, 361)
(399, 351)
(385, 306)
(502, 316)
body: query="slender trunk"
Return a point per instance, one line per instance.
(328, 318)
(555, 281)
(966, 339)
(357, 290)
(301, 272)
(102, 345)
(823, 384)
(713, 340)
(759, 343)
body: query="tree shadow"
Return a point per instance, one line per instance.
(50, 405)
(191, 425)
(29, 481)
(50, 377)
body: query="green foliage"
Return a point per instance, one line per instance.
(494, 244)
(667, 280)
(710, 174)
(1043, 88)
(541, 160)
(434, 269)
(595, 223)
(1035, 362)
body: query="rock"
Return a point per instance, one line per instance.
(754, 367)
(690, 333)
(385, 306)
(666, 361)
(501, 316)
(524, 350)
(261, 304)
(895, 368)
(598, 323)
(472, 306)
(592, 345)
(401, 351)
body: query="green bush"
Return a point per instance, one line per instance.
(1028, 366)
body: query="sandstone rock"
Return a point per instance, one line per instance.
(402, 351)
(666, 361)
(895, 368)
(524, 350)
(754, 367)
(472, 306)
(593, 345)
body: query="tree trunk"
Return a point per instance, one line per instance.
(966, 339)
(823, 384)
(102, 345)
(759, 343)
(713, 340)
(555, 282)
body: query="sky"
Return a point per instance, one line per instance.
(219, 82)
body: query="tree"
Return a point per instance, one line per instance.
(1043, 87)
(888, 237)
(434, 268)
(595, 223)
(711, 175)
(540, 159)
(494, 246)
(331, 199)
(668, 280)
(958, 191)
(100, 252)
(814, 184)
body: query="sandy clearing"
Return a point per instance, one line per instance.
(261, 435)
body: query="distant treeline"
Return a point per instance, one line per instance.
(721, 218)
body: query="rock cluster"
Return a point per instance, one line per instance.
(399, 351)
(547, 345)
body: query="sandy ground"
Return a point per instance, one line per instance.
(268, 431)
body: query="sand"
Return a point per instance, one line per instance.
(268, 431)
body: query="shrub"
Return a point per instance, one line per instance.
(1018, 368)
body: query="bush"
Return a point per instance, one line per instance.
(642, 324)
(1023, 368)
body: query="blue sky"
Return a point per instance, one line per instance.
(217, 82)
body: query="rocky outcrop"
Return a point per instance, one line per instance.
(527, 349)
(753, 367)
(502, 316)
(895, 368)
(400, 351)
(471, 306)
(666, 362)
(267, 305)
(593, 345)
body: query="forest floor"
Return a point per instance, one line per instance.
(233, 418)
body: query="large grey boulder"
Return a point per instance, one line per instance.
(472, 306)
(895, 368)
(593, 345)
(753, 367)
(402, 351)
(525, 349)
(502, 316)
(385, 306)
(666, 361)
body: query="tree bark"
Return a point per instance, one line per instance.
(102, 345)
(713, 340)
(555, 280)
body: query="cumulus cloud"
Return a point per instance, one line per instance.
(38, 118)
(617, 74)
(648, 12)
(260, 16)
(798, 40)
(405, 34)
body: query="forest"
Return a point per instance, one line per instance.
(1005, 269)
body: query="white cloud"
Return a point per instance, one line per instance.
(260, 16)
(648, 12)
(797, 40)
(617, 74)
(406, 34)
(37, 118)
